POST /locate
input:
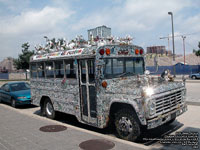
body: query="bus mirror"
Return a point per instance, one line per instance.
(156, 63)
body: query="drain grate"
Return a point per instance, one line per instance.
(53, 128)
(96, 144)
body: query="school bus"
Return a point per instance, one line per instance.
(103, 85)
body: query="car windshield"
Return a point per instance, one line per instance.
(19, 86)
(119, 67)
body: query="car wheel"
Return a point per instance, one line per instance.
(49, 109)
(127, 127)
(13, 103)
(194, 77)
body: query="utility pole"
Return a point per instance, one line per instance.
(167, 39)
(184, 46)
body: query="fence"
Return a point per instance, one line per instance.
(14, 76)
(179, 69)
(4, 76)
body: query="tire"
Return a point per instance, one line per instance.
(49, 109)
(13, 103)
(171, 121)
(127, 126)
(194, 77)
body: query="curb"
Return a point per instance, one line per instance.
(193, 103)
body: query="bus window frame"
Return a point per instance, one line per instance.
(124, 66)
(59, 60)
(44, 77)
(38, 63)
(47, 69)
(30, 68)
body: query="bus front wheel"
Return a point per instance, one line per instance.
(127, 127)
(49, 109)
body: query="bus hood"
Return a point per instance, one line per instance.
(135, 85)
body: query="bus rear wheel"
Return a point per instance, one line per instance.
(49, 109)
(127, 127)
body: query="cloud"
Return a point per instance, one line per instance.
(134, 15)
(146, 20)
(34, 22)
(30, 25)
(15, 6)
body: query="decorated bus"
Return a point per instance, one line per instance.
(105, 84)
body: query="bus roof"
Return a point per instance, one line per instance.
(77, 53)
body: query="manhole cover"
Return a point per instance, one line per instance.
(53, 128)
(97, 144)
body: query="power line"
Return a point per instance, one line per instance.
(180, 35)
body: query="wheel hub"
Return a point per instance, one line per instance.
(49, 108)
(125, 125)
(13, 103)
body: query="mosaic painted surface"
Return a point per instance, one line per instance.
(66, 98)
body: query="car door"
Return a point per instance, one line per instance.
(1, 94)
(198, 75)
(5, 94)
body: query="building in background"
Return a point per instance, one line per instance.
(99, 32)
(158, 50)
(7, 65)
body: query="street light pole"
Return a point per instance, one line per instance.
(184, 47)
(170, 13)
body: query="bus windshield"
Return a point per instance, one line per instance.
(118, 67)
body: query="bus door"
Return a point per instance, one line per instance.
(88, 91)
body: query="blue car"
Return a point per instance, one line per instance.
(15, 93)
(195, 76)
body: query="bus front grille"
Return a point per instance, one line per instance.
(168, 102)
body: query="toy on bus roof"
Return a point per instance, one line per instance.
(55, 45)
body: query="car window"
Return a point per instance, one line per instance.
(4, 87)
(19, 86)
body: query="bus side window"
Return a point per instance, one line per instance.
(49, 70)
(41, 70)
(69, 68)
(59, 69)
(91, 70)
(33, 70)
(83, 71)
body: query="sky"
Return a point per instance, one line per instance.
(145, 20)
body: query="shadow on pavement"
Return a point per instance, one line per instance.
(146, 139)
(150, 136)
(186, 139)
(71, 120)
(26, 106)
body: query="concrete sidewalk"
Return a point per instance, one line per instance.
(20, 131)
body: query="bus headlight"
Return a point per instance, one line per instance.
(148, 92)
(184, 94)
(152, 107)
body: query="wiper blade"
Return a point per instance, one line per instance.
(126, 73)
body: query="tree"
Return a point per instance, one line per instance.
(197, 52)
(22, 62)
